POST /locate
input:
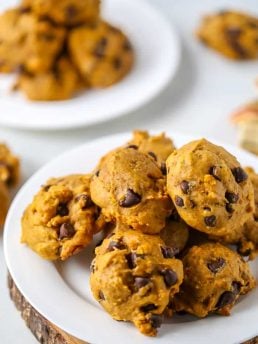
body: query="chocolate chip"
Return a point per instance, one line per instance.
(231, 197)
(170, 276)
(179, 201)
(66, 231)
(84, 200)
(131, 198)
(97, 173)
(185, 186)
(214, 171)
(229, 297)
(24, 9)
(169, 252)
(207, 208)
(140, 282)
(236, 287)
(117, 63)
(229, 208)
(155, 320)
(116, 245)
(210, 221)
(253, 25)
(133, 147)
(216, 265)
(92, 266)
(153, 155)
(131, 260)
(234, 32)
(101, 296)
(101, 47)
(99, 243)
(62, 209)
(245, 253)
(148, 308)
(239, 174)
(163, 168)
(46, 187)
(70, 12)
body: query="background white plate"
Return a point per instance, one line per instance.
(61, 291)
(157, 56)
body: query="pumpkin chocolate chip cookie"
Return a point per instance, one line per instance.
(130, 188)
(102, 53)
(62, 218)
(214, 278)
(27, 42)
(4, 201)
(66, 12)
(134, 280)
(59, 83)
(9, 167)
(211, 191)
(158, 146)
(233, 34)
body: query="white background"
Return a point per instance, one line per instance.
(206, 89)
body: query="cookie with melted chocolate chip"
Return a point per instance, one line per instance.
(231, 33)
(214, 278)
(211, 191)
(66, 12)
(9, 167)
(61, 219)
(130, 188)
(102, 53)
(133, 280)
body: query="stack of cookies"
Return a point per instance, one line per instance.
(9, 178)
(167, 216)
(61, 47)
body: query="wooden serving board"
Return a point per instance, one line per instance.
(44, 331)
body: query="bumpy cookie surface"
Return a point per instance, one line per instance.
(60, 83)
(158, 146)
(214, 277)
(211, 191)
(66, 12)
(28, 43)
(61, 219)
(134, 277)
(233, 34)
(9, 167)
(102, 53)
(130, 188)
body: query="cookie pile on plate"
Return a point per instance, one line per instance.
(61, 47)
(9, 178)
(167, 216)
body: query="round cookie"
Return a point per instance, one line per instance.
(159, 146)
(130, 188)
(232, 34)
(133, 280)
(28, 43)
(4, 201)
(61, 219)
(211, 191)
(9, 167)
(67, 12)
(175, 234)
(214, 277)
(60, 83)
(102, 53)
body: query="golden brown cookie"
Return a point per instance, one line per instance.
(133, 280)
(66, 12)
(4, 201)
(61, 219)
(231, 33)
(9, 167)
(211, 191)
(214, 277)
(60, 83)
(102, 53)
(130, 188)
(158, 146)
(28, 43)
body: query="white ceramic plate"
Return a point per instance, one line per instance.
(61, 291)
(157, 57)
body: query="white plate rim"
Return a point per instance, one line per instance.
(10, 259)
(172, 63)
